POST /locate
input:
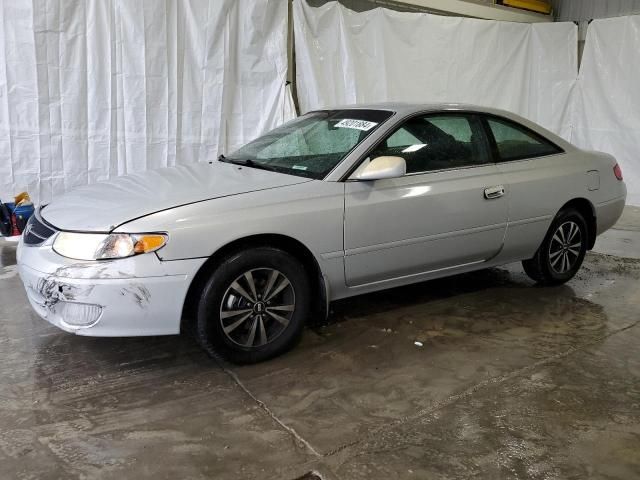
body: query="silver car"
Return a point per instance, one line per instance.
(244, 250)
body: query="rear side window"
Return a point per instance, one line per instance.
(517, 143)
(437, 142)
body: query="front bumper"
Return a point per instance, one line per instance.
(135, 296)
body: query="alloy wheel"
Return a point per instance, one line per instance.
(565, 247)
(257, 307)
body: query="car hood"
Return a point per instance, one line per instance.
(101, 207)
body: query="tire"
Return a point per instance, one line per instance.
(556, 262)
(254, 306)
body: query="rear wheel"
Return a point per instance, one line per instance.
(254, 306)
(561, 254)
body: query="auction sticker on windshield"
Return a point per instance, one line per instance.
(357, 124)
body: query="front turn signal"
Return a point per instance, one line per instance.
(149, 243)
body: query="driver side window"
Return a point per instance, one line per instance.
(437, 142)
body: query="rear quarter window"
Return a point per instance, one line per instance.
(515, 142)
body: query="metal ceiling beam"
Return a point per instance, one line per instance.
(467, 8)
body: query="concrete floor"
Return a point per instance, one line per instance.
(512, 381)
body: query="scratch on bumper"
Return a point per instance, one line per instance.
(129, 306)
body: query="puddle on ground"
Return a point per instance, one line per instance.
(7, 255)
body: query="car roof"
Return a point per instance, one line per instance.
(408, 108)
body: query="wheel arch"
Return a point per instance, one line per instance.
(586, 208)
(294, 247)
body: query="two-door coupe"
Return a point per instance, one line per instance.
(244, 250)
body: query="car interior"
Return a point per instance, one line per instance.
(427, 146)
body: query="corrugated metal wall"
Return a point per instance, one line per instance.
(565, 10)
(365, 5)
(588, 9)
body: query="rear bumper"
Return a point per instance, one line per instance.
(130, 297)
(608, 213)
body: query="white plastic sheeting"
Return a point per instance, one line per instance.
(606, 102)
(344, 57)
(98, 88)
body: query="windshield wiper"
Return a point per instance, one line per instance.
(247, 163)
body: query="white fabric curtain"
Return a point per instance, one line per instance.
(606, 102)
(98, 88)
(344, 57)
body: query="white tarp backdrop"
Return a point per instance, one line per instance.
(344, 57)
(606, 101)
(98, 88)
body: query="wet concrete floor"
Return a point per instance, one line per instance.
(511, 381)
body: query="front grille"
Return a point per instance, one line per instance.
(37, 231)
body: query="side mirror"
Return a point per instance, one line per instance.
(383, 167)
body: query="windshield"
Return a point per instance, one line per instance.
(311, 145)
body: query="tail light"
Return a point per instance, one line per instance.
(617, 171)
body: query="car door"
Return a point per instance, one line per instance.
(446, 212)
(535, 182)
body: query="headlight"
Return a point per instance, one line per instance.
(97, 246)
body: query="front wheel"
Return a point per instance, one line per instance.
(561, 254)
(254, 306)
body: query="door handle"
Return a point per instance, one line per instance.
(493, 192)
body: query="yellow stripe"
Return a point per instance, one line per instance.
(533, 5)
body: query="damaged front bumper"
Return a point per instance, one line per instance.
(134, 296)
